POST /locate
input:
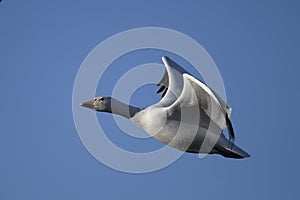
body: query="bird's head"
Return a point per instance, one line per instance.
(101, 104)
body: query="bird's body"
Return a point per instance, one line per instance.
(190, 116)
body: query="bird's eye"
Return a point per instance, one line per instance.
(101, 99)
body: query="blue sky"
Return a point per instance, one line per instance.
(42, 45)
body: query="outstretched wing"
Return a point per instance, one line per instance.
(171, 83)
(173, 90)
(170, 66)
(207, 101)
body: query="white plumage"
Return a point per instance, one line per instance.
(190, 116)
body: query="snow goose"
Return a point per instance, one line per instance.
(190, 116)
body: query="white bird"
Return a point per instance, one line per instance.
(190, 116)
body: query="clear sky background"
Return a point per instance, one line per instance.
(255, 45)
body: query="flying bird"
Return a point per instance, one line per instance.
(190, 116)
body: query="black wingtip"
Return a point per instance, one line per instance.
(164, 93)
(230, 129)
(161, 89)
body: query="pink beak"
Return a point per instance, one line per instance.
(88, 104)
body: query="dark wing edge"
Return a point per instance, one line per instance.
(163, 84)
(230, 129)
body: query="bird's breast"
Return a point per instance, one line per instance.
(152, 120)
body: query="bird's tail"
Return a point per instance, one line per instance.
(230, 150)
